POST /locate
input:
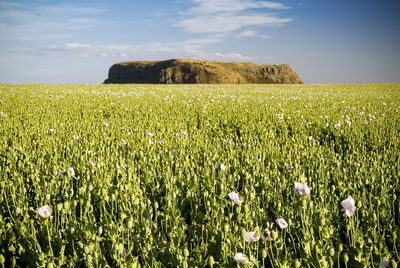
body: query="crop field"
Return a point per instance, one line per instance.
(199, 175)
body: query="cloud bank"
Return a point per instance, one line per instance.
(226, 16)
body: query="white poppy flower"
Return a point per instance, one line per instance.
(240, 258)
(183, 133)
(301, 189)
(220, 167)
(252, 237)
(281, 223)
(44, 211)
(385, 263)
(71, 171)
(235, 198)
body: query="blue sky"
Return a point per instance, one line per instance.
(325, 41)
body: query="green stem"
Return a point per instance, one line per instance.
(8, 208)
(338, 260)
(48, 236)
(395, 248)
(294, 247)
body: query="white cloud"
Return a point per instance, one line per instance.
(225, 16)
(77, 45)
(233, 57)
(192, 48)
(228, 23)
(213, 7)
(245, 34)
(29, 22)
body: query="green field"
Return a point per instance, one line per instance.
(152, 196)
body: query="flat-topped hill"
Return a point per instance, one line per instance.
(177, 71)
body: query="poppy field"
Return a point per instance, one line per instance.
(199, 175)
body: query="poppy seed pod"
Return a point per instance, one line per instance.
(186, 253)
(345, 257)
(275, 235)
(263, 253)
(226, 228)
(211, 261)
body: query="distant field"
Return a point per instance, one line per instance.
(147, 185)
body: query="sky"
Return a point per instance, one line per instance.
(325, 41)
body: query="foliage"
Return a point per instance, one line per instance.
(151, 194)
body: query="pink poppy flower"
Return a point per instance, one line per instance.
(268, 238)
(348, 206)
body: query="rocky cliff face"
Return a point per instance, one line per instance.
(200, 72)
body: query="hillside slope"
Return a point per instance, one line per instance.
(177, 71)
